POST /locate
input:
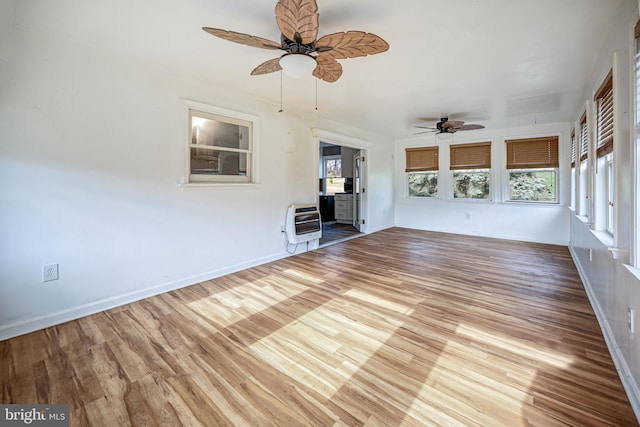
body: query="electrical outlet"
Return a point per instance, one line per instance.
(49, 272)
(631, 320)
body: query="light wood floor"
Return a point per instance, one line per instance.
(399, 327)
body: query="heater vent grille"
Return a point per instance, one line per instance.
(303, 223)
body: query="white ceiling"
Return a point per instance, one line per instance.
(496, 62)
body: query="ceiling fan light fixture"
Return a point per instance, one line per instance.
(297, 65)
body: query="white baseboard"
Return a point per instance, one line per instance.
(26, 326)
(628, 382)
(376, 229)
(490, 236)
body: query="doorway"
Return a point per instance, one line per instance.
(340, 171)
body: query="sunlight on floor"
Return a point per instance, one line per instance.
(556, 359)
(237, 303)
(325, 347)
(459, 378)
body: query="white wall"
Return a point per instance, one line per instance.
(604, 260)
(490, 218)
(90, 155)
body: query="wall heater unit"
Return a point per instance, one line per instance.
(303, 223)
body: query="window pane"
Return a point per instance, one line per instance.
(334, 168)
(423, 184)
(207, 131)
(610, 195)
(471, 184)
(215, 162)
(533, 186)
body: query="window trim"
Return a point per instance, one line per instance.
(324, 164)
(533, 154)
(508, 199)
(609, 173)
(253, 163)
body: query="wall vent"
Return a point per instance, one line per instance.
(303, 223)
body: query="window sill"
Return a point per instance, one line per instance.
(584, 219)
(218, 186)
(633, 270)
(605, 238)
(532, 204)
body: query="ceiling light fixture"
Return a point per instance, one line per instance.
(297, 65)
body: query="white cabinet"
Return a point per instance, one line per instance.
(344, 208)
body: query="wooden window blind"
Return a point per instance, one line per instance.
(573, 148)
(532, 153)
(584, 138)
(604, 101)
(422, 159)
(470, 156)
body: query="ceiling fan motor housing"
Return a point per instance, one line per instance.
(292, 46)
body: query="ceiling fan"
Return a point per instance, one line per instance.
(448, 126)
(298, 24)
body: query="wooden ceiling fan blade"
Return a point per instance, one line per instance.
(328, 69)
(426, 127)
(450, 124)
(470, 127)
(242, 38)
(351, 44)
(270, 66)
(298, 20)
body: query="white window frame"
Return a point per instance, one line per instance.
(574, 196)
(325, 159)
(252, 177)
(582, 208)
(610, 193)
(452, 192)
(507, 186)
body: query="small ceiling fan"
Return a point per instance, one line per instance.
(448, 126)
(298, 24)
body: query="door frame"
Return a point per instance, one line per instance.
(350, 142)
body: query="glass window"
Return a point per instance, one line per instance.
(220, 148)
(423, 184)
(422, 171)
(532, 164)
(333, 167)
(610, 193)
(583, 205)
(471, 184)
(470, 166)
(533, 185)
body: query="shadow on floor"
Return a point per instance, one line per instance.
(333, 232)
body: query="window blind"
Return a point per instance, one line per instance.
(584, 138)
(531, 153)
(573, 148)
(604, 100)
(470, 156)
(422, 159)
